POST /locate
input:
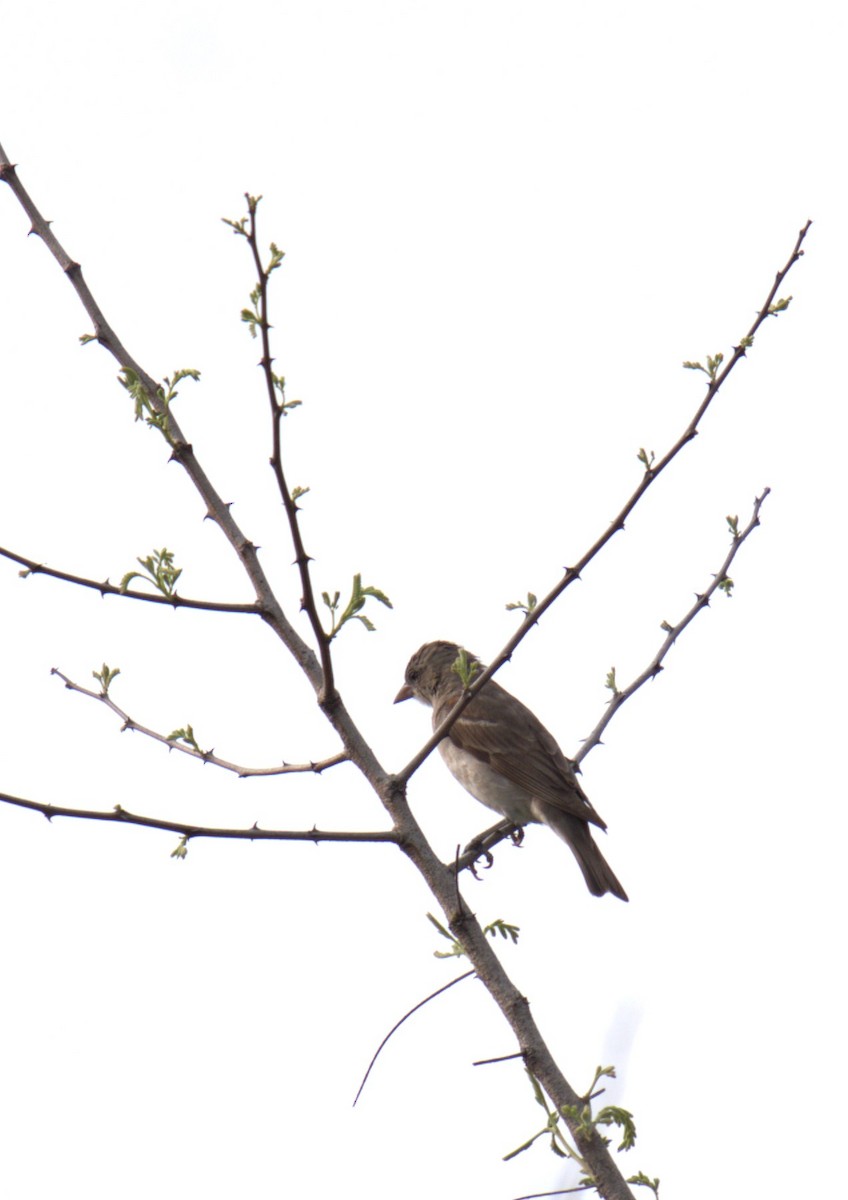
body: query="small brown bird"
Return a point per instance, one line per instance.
(503, 755)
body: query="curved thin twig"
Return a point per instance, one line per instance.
(398, 1024)
(205, 756)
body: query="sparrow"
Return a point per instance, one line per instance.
(502, 754)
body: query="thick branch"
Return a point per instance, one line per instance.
(442, 882)
(110, 589)
(204, 756)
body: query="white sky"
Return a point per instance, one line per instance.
(506, 226)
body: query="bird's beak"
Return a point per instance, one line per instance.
(405, 693)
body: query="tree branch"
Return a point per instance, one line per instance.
(273, 385)
(181, 450)
(653, 669)
(110, 589)
(121, 816)
(204, 756)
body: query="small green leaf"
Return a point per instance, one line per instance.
(610, 683)
(182, 848)
(503, 928)
(159, 570)
(612, 1115)
(184, 735)
(779, 306)
(726, 585)
(733, 525)
(525, 606)
(646, 459)
(105, 676)
(456, 950)
(358, 596)
(466, 668)
(642, 1180)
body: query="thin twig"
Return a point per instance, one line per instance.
(122, 816)
(110, 589)
(205, 756)
(573, 573)
(490, 837)
(484, 1062)
(653, 669)
(398, 1024)
(278, 411)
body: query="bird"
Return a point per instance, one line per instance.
(502, 754)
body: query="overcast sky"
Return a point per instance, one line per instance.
(506, 226)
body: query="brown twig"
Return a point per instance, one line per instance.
(204, 756)
(110, 589)
(278, 410)
(122, 816)
(573, 573)
(398, 1024)
(702, 601)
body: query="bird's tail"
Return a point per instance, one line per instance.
(596, 870)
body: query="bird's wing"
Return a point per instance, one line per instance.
(516, 744)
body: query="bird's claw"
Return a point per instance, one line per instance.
(478, 852)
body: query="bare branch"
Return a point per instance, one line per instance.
(189, 832)
(655, 666)
(204, 756)
(651, 473)
(110, 589)
(274, 385)
(481, 845)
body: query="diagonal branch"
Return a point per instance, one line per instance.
(650, 475)
(121, 816)
(653, 669)
(205, 756)
(480, 846)
(181, 450)
(110, 589)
